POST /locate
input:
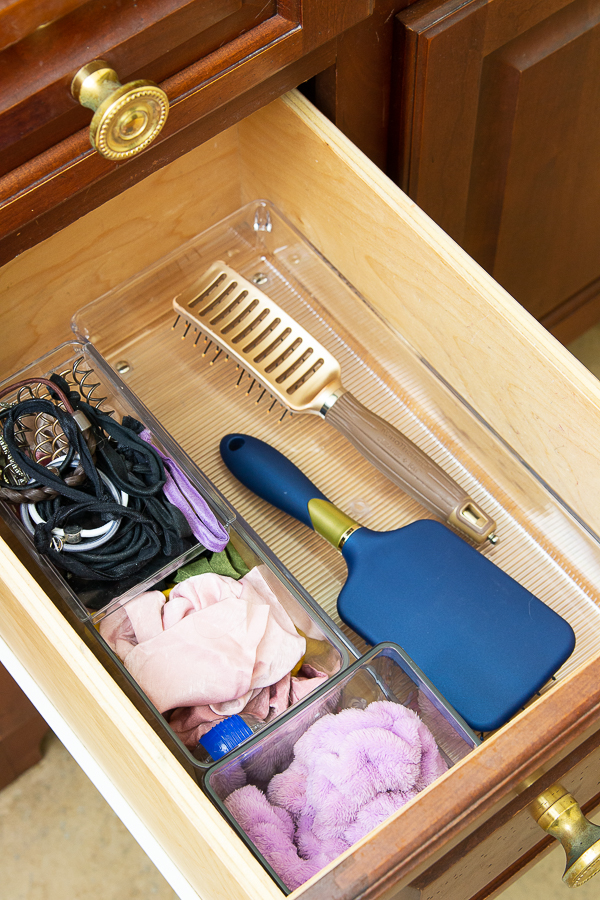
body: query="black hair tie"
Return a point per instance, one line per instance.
(42, 474)
(131, 463)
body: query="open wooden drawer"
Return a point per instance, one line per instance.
(470, 832)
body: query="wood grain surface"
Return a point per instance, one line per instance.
(355, 92)
(453, 313)
(21, 730)
(216, 62)
(533, 393)
(494, 141)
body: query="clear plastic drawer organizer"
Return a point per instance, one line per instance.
(200, 395)
(85, 372)
(94, 606)
(383, 675)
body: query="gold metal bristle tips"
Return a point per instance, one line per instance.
(253, 388)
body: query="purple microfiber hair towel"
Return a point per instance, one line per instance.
(350, 771)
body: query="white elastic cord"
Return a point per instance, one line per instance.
(104, 533)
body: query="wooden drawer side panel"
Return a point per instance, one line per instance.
(167, 800)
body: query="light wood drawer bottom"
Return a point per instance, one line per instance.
(533, 394)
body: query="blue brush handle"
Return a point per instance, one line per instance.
(270, 475)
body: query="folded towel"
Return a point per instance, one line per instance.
(350, 771)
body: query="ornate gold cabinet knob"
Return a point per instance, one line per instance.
(127, 117)
(558, 813)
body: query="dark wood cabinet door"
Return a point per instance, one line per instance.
(217, 60)
(21, 730)
(498, 137)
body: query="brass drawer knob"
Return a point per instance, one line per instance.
(558, 813)
(127, 117)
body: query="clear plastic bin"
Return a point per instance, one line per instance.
(88, 603)
(384, 673)
(327, 651)
(542, 545)
(87, 373)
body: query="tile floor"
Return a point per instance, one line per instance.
(59, 840)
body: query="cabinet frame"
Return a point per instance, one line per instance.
(397, 258)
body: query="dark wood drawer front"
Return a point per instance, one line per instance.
(151, 40)
(216, 61)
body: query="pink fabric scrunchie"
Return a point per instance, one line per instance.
(217, 647)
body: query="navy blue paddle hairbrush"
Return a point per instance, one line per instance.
(486, 643)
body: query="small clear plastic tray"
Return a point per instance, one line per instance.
(384, 673)
(87, 373)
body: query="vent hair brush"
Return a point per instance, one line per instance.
(306, 378)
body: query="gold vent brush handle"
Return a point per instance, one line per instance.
(409, 467)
